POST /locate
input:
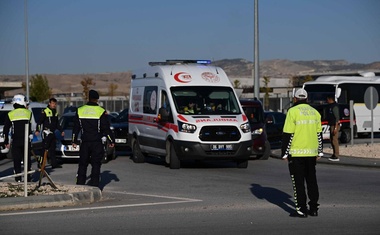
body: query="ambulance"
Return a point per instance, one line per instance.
(186, 110)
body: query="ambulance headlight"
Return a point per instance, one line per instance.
(258, 131)
(245, 127)
(186, 127)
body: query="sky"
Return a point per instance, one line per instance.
(102, 36)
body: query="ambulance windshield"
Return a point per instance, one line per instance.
(196, 100)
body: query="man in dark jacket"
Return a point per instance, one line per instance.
(91, 120)
(333, 119)
(16, 121)
(48, 124)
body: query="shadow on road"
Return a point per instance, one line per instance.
(274, 196)
(106, 177)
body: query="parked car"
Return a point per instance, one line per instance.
(254, 111)
(274, 122)
(119, 124)
(64, 148)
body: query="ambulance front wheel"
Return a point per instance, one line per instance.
(137, 155)
(174, 162)
(242, 163)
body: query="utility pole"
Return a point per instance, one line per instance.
(256, 78)
(26, 50)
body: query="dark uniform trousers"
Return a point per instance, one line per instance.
(301, 169)
(49, 142)
(90, 153)
(18, 156)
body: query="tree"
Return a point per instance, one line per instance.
(111, 89)
(39, 88)
(266, 95)
(236, 83)
(86, 83)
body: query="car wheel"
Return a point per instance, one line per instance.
(137, 155)
(174, 161)
(266, 153)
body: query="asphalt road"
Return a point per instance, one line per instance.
(206, 198)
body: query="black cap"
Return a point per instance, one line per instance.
(92, 94)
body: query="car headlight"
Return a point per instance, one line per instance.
(245, 127)
(258, 131)
(186, 127)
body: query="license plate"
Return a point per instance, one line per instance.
(222, 147)
(121, 141)
(71, 148)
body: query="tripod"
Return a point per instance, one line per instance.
(42, 164)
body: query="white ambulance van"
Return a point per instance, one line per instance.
(186, 110)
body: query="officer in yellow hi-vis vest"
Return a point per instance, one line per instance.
(302, 146)
(91, 120)
(15, 122)
(47, 125)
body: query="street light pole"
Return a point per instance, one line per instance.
(26, 50)
(256, 78)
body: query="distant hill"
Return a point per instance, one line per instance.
(235, 68)
(286, 68)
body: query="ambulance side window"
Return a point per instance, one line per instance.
(165, 105)
(150, 100)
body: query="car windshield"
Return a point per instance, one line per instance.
(122, 117)
(67, 122)
(254, 114)
(205, 100)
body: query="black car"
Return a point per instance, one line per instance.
(274, 124)
(254, 111)
(119, 125)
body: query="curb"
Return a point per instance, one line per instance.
(93, 194)
(344, 160)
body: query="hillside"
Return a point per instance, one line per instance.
(235, 68)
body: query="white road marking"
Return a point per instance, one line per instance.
(180, 200)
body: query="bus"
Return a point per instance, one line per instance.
(346, 88)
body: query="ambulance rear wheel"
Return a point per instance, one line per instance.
(137, 155)
(174, 161)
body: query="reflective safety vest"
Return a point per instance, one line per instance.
(304, 122)
(20, 115)
(49, 114)
(90, 112)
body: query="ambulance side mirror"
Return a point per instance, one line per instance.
(163, 115)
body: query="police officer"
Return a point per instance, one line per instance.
(15, 121)
(333, 119)
(91, 120)
(48, 124)
(302, 146)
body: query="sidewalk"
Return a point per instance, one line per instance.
(344, 160)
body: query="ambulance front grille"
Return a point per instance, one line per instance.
(219, 133)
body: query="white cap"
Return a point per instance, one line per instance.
(301, 94)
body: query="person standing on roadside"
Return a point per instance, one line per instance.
(333, 118)
(48, 124)
(16, 121)
(92, 121)
(302, 146)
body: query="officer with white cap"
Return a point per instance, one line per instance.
(15, 122)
